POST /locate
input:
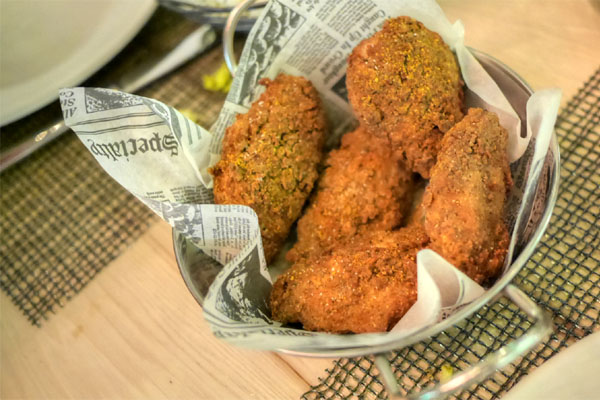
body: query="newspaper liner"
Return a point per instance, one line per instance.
(162, 158)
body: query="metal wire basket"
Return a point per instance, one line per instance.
(198, 271)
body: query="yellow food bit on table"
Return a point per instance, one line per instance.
(218, 81)
(446, 373)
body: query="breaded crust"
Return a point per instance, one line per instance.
(366, 285)
(404, 82)
(361, 189)
(464, 202)
(270, 156)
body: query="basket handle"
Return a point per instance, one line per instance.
(229, 33)
(476, 373)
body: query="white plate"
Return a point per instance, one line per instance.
(49, 44)
(571, 374)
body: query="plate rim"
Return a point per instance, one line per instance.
(134, 23)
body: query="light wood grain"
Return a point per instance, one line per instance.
(551, 43)
(136, 332)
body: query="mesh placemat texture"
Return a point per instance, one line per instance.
(563, 277)
(63, 217)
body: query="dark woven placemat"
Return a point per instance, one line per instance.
(63, 218)
(563, 277)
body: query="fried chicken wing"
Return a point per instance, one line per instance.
(366, 285)
(464, 202)
(361, 189)
(270, 156)
(404, 82)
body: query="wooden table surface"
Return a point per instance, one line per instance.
(136, 332)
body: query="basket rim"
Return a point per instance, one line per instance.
(490, 294)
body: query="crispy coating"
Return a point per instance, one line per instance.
(404, 82)
(361, 189)
(366, 285)
(464, 202)
(270, 156)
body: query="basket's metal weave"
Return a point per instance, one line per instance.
(563, 276)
